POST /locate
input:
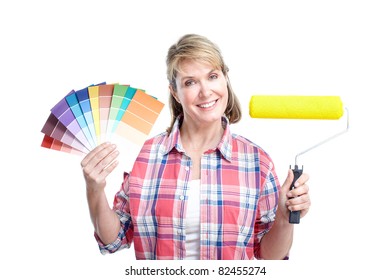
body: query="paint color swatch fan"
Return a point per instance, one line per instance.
(299, 107)
(88, 117)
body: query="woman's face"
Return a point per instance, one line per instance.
(202, 92)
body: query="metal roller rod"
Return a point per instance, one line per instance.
(326, 140)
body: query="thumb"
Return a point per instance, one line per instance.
(287, 183)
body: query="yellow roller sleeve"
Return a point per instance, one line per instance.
(296, 107)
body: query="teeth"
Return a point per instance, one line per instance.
(207, 105)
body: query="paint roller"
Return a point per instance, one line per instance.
(299, 107)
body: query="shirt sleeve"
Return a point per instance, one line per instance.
(122, 209)
(267, 205)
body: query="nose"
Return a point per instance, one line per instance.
(205, 89)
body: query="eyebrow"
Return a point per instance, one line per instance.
(190, 77)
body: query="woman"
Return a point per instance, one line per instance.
(196, 191)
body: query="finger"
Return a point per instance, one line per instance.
(95, 157)
(99, 179)
(96, 176)
(301, 180)
(299, 207)
(101, 161)
(287, 183)
(107, 161)
(93, 153)
(298, 191)
(298, 200)
(106, 171)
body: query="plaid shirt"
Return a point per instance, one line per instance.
(238, 197)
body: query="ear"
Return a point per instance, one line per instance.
(174, 94)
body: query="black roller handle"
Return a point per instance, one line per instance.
(295, 215)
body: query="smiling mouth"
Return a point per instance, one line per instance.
(207, 105)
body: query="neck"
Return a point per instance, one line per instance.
(203, 138)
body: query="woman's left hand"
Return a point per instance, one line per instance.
(297, 199)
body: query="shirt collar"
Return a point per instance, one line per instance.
(224, 146)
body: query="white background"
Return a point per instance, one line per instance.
(271, 47)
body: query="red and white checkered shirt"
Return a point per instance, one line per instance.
(238, 199)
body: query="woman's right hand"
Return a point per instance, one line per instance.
(98, 164)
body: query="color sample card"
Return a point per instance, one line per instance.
(64, 114)
(121, 98)
(139, 117)
(51, 143)
(136, 123)
(105, 97)
(74, 105)
(93, 93)
(85, 106)
(87, 117)
(55, 129)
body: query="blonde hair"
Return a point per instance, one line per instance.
(199, 48)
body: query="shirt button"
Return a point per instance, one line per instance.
(179, 231)
(181, 197)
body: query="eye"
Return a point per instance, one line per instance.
(213, 76)
(189, 83)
